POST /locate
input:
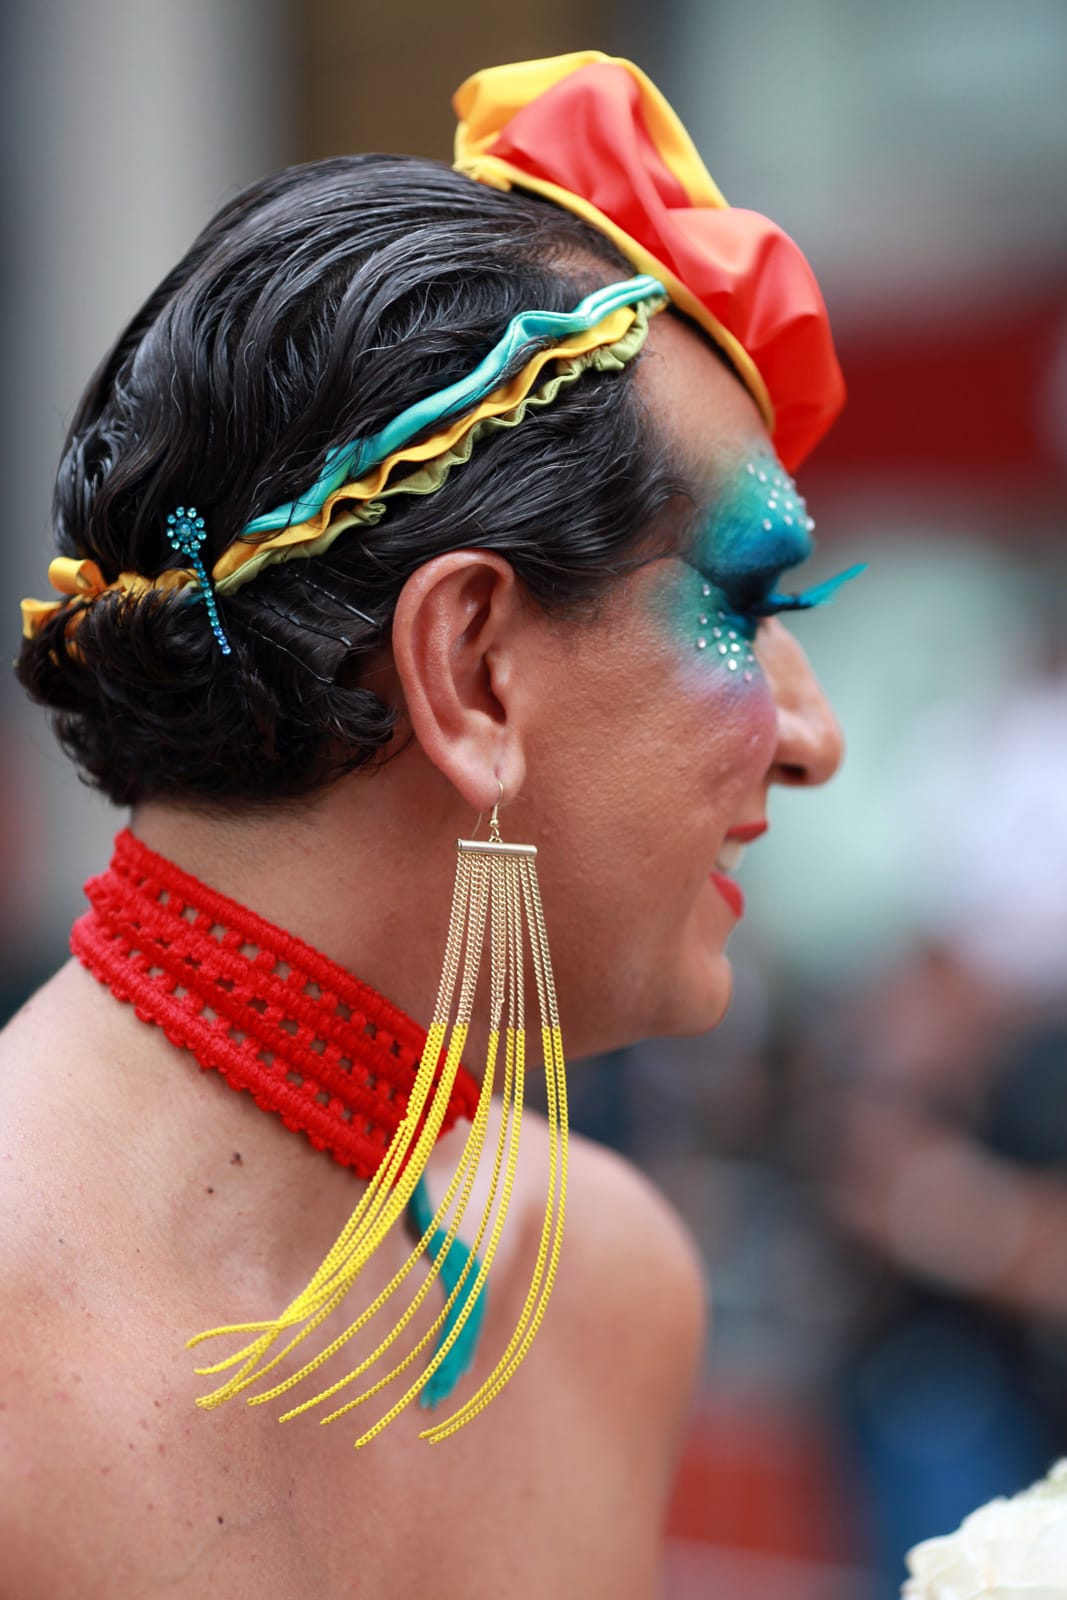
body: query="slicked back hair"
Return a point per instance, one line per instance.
(310, 311)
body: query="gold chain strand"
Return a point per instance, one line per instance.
(513, 1147)
(467, 1165)
(394, 1200)
(317, 1300)
(510, 1124)
(465, 890)
(543, 1277)
(336, 1273)
(467, 1170)
(514, 876)
(362, 1217)
(495, 882)
(557, 1123)
(473, 952)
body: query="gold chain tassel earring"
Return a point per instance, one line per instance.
(496, 884)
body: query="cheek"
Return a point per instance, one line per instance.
(739, 723)
(727, 720)
(711, 648)
(718, 638)
(693, 616)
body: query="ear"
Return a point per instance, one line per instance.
(459, 630)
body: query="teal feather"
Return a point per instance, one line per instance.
(810, 597)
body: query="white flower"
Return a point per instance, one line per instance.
(1009, 1550)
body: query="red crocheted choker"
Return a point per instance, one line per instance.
(308, 1041)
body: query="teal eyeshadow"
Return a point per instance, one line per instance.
(722, 635)
(758, 527)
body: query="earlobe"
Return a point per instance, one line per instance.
(457, 630)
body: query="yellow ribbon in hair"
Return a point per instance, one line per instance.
(81, 582)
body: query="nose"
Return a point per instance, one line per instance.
(810, 745)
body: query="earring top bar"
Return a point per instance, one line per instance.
(490, 848)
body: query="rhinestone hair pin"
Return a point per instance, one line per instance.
(186, 532)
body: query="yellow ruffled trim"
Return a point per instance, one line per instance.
(608, 346)
(244, 558)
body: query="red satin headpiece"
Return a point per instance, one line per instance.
(593, 134)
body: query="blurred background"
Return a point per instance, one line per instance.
(872, 1150)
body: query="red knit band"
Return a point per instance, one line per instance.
(307, 1040)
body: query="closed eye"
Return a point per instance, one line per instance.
(753, 594)
(742, 594)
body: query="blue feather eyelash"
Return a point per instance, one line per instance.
(757, 528)
(808, 598)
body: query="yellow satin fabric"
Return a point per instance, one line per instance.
(80, 582)
(487, 101)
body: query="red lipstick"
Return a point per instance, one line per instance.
(745, 832)
(730, 892)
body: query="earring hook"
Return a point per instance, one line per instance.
(494, 820)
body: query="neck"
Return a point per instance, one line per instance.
(363, 874)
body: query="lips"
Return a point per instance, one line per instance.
(729, 859)
(747, 831)
(730, 892)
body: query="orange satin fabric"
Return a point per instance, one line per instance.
(592, 133)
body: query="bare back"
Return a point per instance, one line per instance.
(114, 1483)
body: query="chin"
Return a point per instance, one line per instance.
(695, 1003)
(704, 1002)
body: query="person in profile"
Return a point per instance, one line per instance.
(412, 497)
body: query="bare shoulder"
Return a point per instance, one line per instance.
(631, 1283)
(39, 1453)
(30, 1292)
(42, 1422)
(631, 1280)
(56, 1416)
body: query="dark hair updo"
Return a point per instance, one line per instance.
(314, 308)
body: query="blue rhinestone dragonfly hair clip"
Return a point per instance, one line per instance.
(186, 532)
